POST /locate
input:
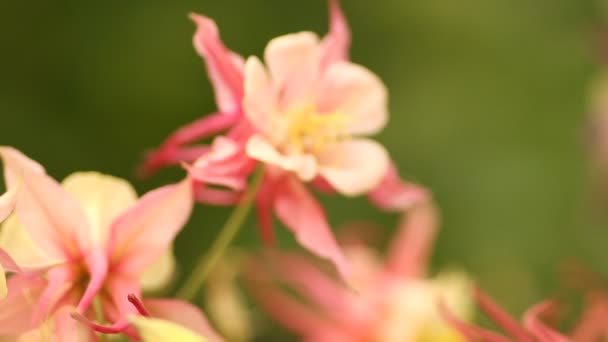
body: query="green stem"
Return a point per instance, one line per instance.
(208, 261)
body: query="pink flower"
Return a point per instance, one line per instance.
(89, 237)
(538, 321)
(308, 113)
(304, 118)
(393, 300)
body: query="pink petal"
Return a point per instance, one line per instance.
(393, 194)
(289, 312)
(167, 156)
(499, 316)
(260, 103)
(225, 69)
(67, 329)
(336, 43)
(308, 279)
(469, 331)
(538, 328)
(173, 151)
(303, 215)
(60, 281)
(206, 195)
(97, 264)
(143, 233)
(410, 250)
(353, 167)
(19, 305)
(7, 202)
(355, 92)
(226, 164)
(116, 305)
(304, 165)
(293, 61)
(184, 314)
(53, 219)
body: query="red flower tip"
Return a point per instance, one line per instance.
(138, 305)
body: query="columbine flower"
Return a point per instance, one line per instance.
(392, 300)
(309, 112)
(304, 118)
(89, 237)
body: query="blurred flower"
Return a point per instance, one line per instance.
(89, 237)
(538, 324)
(225, 301)
(393, 299)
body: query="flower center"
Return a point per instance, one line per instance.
(309, 131)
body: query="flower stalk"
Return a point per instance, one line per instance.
(227, 234)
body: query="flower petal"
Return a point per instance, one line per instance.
(499, 316)
(159, 273)
(357, 93)
(154, 330)
(16, 241)
(20, 303)
(7, 202)
(226, 164)
(260, 102)
(225, 68)
(103, 199)
(144, 232)
(294, 61)
(303, 215)
(304, 165)
(354, 167)
(336, 43)
(183, 313)
(394, 194)
(53, 218)
(540, 330)
(410, 250)
(67, 329)
(291, 313)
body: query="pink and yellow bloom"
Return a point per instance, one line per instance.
(304, 116)
(88, 237)
(393, 300)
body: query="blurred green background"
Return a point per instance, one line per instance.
(488, 102)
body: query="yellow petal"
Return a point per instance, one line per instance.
(103, 199)
(159, 274)
(158, 330)
(17, 242)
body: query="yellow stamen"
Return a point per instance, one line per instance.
(309, 131)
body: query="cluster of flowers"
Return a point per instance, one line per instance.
(81, 253)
